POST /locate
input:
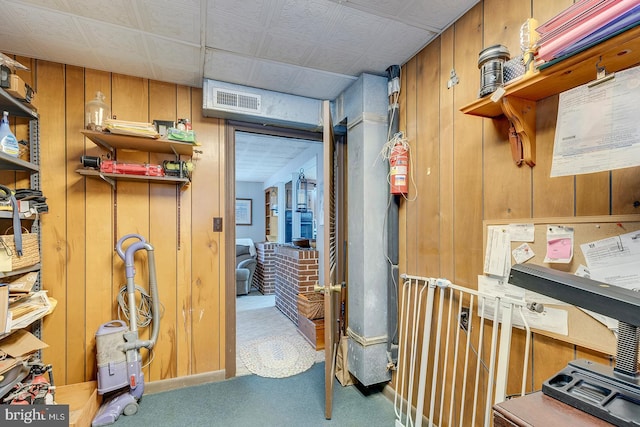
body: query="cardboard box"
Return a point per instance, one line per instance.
(83, 400)
(19, 89)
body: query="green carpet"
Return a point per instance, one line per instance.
(256, 401)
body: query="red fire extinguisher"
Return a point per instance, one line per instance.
(399, 170)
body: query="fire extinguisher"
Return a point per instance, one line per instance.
(399, 170)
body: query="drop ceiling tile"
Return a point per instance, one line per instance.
(308, 20)
(399, 48)
(332, 58)
(178, 20)
(172, 54)
(174, 62)
(355, 31)
(438, 14)
(227, 67)
(225, 33)
(376, 7)
(60, 27)
(60, 5)
(251, 12)
(114, 41)
(117, 12)
(432, 15)
(285, 49)
(51, 50)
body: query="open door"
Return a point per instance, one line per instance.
(334, 257)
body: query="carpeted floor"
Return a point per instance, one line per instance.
(251, 400)
(266, 402)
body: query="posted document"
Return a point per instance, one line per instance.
(598, 127)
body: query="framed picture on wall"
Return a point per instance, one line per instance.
(243, 211)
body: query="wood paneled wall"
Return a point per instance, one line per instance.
(80, 268)
(463, 170)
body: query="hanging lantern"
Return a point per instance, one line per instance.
(301, 187)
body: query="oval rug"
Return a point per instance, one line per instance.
(277, 356)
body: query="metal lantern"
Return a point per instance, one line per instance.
(302, 188)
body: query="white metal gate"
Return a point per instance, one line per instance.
(448, 338)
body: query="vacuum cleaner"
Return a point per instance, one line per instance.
(120, 376)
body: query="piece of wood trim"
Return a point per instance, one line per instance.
(186, 381)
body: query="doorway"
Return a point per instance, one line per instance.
(254, 315)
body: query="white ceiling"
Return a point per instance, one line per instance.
(259, 157)
(312, 48)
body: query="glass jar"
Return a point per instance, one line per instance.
(97, 112)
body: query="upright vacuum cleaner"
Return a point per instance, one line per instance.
(120, 376)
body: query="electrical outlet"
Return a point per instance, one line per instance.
(464, 319)
(217, 224)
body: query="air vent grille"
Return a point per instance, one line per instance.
(236, 101)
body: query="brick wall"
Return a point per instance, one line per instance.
(296, 271)
(264, 278)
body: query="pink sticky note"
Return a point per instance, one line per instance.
(559, 248)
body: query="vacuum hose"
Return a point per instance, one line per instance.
(128, 257)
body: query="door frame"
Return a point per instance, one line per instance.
(229, 229)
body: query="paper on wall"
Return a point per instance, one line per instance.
(615, 260)
(551, 319)
(598, 127)
(559, 244)
(521, 232)
(523, 253)
(497, 260)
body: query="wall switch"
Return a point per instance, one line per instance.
(217, 224)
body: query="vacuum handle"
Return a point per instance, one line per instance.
(128, 255)
(124, 238)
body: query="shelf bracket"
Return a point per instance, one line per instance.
(109, 180)
(522, 114)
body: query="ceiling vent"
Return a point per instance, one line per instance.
(236, 101)
(248, 104)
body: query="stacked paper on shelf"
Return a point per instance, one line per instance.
(25, 312)
(123, 127)
(583, 24)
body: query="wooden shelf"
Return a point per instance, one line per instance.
(112, 141)
(120, 176)
(519, 100)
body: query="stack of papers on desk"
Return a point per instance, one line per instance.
(584, 24)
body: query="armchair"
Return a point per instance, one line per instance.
(245, 268)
